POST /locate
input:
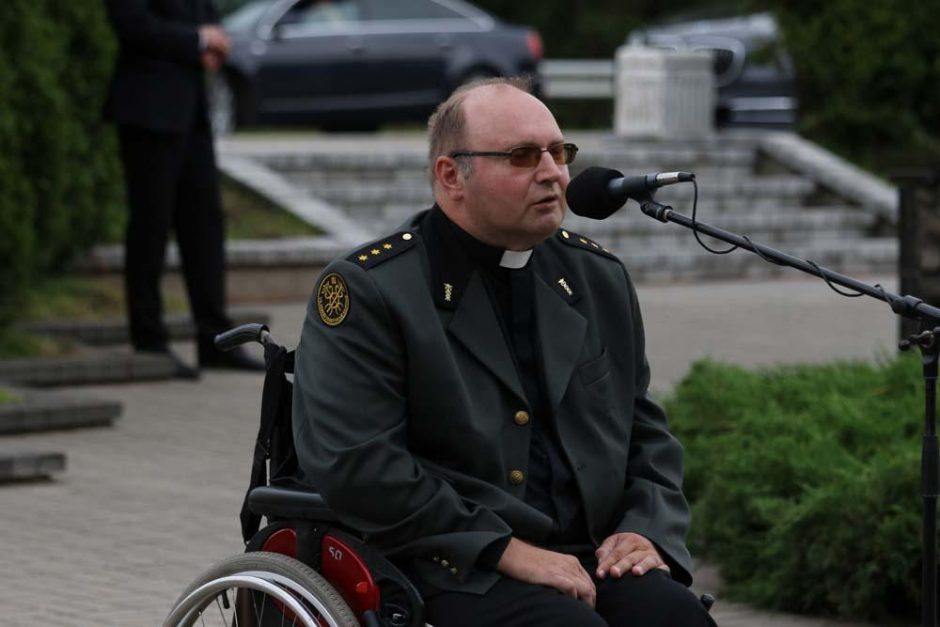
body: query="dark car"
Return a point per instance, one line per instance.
(359, 63)
(753, 72)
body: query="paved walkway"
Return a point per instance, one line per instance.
(145, 506)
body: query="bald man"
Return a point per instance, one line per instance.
(471, 394)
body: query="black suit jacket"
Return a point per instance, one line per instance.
(158, 81)
(405, 398)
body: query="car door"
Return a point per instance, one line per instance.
(308, 49)
(405, 51)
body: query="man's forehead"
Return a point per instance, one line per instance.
(508, 114)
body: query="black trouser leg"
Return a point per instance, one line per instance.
(653, 600)
(200, 233)
(151, 163)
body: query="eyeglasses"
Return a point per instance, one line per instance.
(526, 156)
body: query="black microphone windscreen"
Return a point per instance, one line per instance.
(588, 194)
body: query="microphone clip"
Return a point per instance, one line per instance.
(652, 208)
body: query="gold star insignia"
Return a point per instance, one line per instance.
(387, 246)
(362, 258)
(375, 251)
(594, 244)
(582, 240)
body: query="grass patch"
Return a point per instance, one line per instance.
(251, 216)
(16, 344)
(6, 396)
(81, 298)
(804, 483)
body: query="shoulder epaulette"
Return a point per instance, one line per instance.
(579, 241)
(383, 249)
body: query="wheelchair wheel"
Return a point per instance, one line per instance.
(260, 589)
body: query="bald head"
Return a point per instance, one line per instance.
(447, 125)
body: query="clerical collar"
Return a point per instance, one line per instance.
(481, 253)
(515, 259)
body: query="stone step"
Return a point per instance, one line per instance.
(88, 366)
(104, 332)
(30, 465)
(778, 188)
(874, 255)
(793, 221)
(44, 410)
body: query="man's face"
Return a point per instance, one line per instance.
(504, 205)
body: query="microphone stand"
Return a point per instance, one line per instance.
(928, 341)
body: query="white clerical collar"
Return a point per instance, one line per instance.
(515, 259)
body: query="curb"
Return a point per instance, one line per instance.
(40, 410)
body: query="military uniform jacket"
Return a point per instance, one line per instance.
(410, 418)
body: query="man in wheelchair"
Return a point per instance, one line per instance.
(470, 393)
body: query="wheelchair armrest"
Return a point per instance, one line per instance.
(295, 503)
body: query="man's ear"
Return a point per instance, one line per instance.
(449, 177)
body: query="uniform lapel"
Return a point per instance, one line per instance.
(561, 329)
(476, 327)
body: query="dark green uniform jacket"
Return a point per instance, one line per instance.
(407, 406)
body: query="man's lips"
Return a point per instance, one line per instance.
(547, 200)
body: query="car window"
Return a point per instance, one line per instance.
(321, 12)
(412, 10)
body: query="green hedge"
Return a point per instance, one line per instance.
(805, 483)
(60, 183)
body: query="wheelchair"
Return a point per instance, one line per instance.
(303, 567)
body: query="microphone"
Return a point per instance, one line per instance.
(598, 192)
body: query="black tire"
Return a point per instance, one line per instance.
(287, 580)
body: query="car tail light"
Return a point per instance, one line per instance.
(534, 41)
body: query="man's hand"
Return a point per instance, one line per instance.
(215, 40)
(624, 552)
(211, 61)
(534, 565)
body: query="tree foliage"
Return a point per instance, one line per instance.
(868, 74)
(59, 176)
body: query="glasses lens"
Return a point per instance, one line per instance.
(525, 156)
(529, 156)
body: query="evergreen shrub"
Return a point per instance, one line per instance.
(60, 183)
(804, 483)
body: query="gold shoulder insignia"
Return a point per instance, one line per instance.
(333, 300)
(382, 250)
(579, 241)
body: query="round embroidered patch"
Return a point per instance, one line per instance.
(333, 300)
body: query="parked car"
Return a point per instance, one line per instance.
(359, 63)
(753, 72)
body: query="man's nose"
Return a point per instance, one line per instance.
(547, 169)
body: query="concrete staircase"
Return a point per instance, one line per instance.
(776, 188)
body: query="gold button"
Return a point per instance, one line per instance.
(565, 234)
(445, 563)
(516, 477)
(406, 236)
(522, 418)
(454, 571)
(436, 558)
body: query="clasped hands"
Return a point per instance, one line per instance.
(217, 46)
(617, 555)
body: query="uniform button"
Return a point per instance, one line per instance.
(436, 558)
(454, 571)
(516, 477)
(445, 563)
(521, 418)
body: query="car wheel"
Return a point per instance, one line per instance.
(222, 105)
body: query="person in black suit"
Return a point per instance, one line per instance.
(158, 101)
